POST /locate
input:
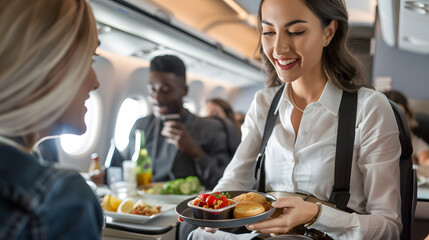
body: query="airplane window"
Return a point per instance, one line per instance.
(74, 144)
(190, 105)
(131, 110)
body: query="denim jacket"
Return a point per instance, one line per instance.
(40, 202)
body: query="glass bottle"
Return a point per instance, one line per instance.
(142, 160)
(95, 163)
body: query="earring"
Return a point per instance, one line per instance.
(327, 42)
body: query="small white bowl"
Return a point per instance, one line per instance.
(213, 214)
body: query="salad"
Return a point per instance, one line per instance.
(180, 186)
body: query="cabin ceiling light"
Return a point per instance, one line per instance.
(249, 18)
(416, 41)
(102, 28)
(417, 10)
(139, 54)
(417, 7)
(149, 51)
(242, 14)
(415, 4)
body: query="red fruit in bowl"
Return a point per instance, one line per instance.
(210, 200)
(223, 204)
(204, 196)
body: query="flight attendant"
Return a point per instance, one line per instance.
(303, 45)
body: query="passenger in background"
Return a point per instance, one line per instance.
(420, 147)
(46, 53)
(216, 107)
(220, 109)
(187, 146)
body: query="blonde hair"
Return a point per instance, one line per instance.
(46, 51)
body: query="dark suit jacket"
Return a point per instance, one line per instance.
(169, 163)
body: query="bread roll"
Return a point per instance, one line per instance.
(252, 196)
(247, 209)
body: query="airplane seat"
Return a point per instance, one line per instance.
(408, 177)
(48, 150)
(232, 135)
(422, 130)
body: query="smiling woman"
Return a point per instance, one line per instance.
(303, 44)
(332, 42)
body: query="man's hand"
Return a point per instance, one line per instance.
(179, 136)
(97, 176)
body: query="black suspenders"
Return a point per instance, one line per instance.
(344, 150)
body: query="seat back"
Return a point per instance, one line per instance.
(232, 135)
(408, 175)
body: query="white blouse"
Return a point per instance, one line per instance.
(307, 165)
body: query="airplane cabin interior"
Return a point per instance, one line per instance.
(217, 40)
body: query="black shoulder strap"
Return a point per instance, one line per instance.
(268, 129)
(344, 152)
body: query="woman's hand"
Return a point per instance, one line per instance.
(207, 229)
(295, 212)
(210, 230)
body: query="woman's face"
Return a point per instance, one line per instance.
(74, 116)
(293, 38)
(213, 110)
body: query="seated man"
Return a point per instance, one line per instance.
(187, 146)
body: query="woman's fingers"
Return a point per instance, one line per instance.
(286, 202)
(211, 230)
(278, 222)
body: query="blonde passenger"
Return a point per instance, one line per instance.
(46, 52)
(303, 44)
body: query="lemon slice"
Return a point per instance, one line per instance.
(110, 203)
(126, 206)
(114, 202)
(106, 203)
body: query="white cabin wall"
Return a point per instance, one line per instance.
(409, 71)
(243, 98)
(202, 89)
(113, 72)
